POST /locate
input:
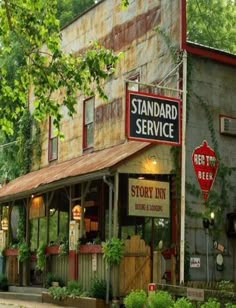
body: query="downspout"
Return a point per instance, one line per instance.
(111, 188)
(183, 167)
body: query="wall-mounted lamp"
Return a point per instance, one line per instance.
(4, 224)
(153, 159)
(209, 222)
(77, 212)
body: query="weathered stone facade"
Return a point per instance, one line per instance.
(145, 52)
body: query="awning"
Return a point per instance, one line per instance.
(89, 166)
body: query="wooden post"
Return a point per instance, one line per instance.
(157, 266)
(173, 269)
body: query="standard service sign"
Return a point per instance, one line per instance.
(153, 118)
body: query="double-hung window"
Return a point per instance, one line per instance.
(88, 129)
(53, 142)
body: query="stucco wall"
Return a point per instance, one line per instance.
(145, 51)
(212, 84)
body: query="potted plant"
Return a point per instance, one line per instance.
(53, 280)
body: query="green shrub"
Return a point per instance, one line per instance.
(225, 285)
(211, 303)
(113, 250)
(74, 288)
(3, 282)
(98, 289)
(229, 305)
(160, 299)
(183, 303)
(135, 299)
(58, 292)
(53, 277)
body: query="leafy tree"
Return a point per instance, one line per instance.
(31, 27)
(212, 23)
(68, 9)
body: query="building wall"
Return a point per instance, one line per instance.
(211, 84)
(145, 51)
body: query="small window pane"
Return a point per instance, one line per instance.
(89, 134)
(89, 109)
(54, 144)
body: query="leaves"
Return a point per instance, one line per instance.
(113, 250)
(212, 23)
(31, 39)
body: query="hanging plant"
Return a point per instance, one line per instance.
(64, 248)
(23, 251)
(41, 257)
(113, 250)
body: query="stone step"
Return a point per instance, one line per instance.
(34, 290)
(21, 296)
(33, 294)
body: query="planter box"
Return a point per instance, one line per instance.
(90, 248)
(11, 252)
(82, 302)
(52, 250)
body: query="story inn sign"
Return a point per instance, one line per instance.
(153, 118)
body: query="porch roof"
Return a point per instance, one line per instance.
(89, 166)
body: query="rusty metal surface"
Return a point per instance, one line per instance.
(85, 164)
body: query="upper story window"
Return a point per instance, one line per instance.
(133, 86)
(53, 142)
(88, 129)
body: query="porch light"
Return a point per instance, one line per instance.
(153, 159)
(209, 222)
(4, 224)
(77, 212)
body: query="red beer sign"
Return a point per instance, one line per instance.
(205, 166)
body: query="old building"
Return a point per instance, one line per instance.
(116, 173)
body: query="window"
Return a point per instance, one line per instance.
(88, 123)
(53, 141)
(133, 86)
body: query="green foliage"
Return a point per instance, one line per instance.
(3, 282)
(113, 250)
(64, 248)
(212, 23)
(211, 303)
(50, 277)
(23, 251)
(229, 305)
(74, 288)
(135, 299)
(41, 257)
(69, 9)
(160, 299)
(98, 288)
(58, 293)
(183, 303)
(225, 285)
(21, 224)
(25, 142)
(32, 27)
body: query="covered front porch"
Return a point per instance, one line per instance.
(72, 207)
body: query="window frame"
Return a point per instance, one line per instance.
(87, 145)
